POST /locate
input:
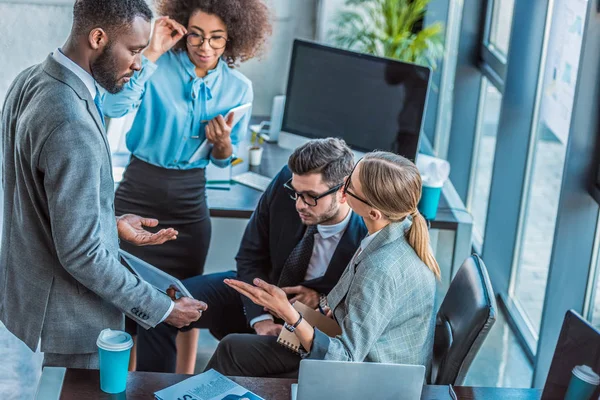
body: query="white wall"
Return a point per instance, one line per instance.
(291, 19)
(29, 33)
(30, 29)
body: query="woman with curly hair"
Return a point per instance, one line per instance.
(186, 85)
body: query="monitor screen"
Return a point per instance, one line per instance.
(578, 344)
(372, 103)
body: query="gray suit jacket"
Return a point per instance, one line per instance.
(384, 303)
(60, 275)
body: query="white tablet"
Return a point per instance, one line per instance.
(238, 112)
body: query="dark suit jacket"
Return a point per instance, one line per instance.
(272, 233)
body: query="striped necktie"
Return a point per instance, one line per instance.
(296, 265)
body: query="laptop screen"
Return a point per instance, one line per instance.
(578, 344)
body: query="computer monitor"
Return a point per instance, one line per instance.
(372, 103)
(578, 344)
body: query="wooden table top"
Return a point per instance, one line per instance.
(85, 384)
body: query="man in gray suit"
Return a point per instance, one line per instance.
(61, 281)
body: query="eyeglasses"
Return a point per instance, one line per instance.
(346, 189)
(309, 200)
(216, 42)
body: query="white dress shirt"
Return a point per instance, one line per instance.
(326, 240)
(82, 74)
(94, 89)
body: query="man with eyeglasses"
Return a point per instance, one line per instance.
(301, 237)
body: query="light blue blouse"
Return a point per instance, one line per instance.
(172, 102)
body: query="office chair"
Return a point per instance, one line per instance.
(463, 321)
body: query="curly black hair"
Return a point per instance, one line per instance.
(110, 15)
(248, 23)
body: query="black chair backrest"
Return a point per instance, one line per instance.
(463, 322)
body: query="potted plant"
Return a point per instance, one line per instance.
(389, 28)
(255, 150)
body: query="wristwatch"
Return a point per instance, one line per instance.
(292, 328)
(323, 300)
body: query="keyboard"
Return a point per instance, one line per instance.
(253, 180)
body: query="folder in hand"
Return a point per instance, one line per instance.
(154, 276)
(316, 320)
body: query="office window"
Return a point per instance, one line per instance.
(592, 309)
(501, 24)
(484, 150)
(547, 156)
(595, 301)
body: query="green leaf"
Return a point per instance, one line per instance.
(385, 28)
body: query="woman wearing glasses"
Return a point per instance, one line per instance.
(384, 299)
(186, 86)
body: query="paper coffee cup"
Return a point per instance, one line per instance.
(113, 352)
(583, 383)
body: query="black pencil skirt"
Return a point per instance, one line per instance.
(177, 198)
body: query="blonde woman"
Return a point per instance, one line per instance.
(384, 300)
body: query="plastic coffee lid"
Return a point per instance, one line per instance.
(586, 374)
(114, 340)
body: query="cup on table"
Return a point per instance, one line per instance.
(430, 198)
(582, 384)
(113, 352)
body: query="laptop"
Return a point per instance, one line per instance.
(578, 344)
(326, 380)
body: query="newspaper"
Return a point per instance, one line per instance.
(210, 385)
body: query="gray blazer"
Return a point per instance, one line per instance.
(60, 275)
(384, 303)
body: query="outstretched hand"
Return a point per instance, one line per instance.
(268, 296)
(131, 229)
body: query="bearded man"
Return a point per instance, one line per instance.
(61, 280)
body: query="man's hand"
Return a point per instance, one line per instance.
(186, 311)
(131, 229)
(304, 295)
(267, 328)
(166, 33)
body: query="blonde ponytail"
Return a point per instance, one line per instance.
(398, 197)
(418, 238)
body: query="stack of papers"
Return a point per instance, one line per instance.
(210, 385)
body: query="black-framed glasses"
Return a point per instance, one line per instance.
(216, 42)
(346, 189)
(309, 200)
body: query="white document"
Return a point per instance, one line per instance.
(154, 276)
(210, 385)
(205, 147)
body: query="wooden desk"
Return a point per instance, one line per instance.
(85, 384)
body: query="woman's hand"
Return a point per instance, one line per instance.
(166, 33)
(218, 131)
(270, 297)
